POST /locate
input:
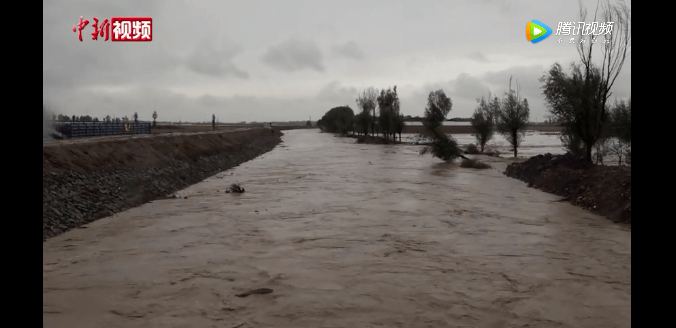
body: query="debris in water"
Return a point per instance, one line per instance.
(235, 187)
(255, 291)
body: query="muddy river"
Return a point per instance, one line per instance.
(344, 235)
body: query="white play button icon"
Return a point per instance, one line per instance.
(536, 30)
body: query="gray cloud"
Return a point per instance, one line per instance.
(209, 61)
(479, 57)
(410, 45)
(466, 88)
(526, 76)
(340, 95)
(349, 50)
(501, 4)
(469, 87)
(294, 55)
(69, 63)
(172, 106)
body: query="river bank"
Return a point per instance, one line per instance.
(605, 190)
(340, 234)
(84, 180)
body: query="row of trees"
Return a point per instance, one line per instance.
(578, 101)
(389, 120)
(107, 119)
(508, 116)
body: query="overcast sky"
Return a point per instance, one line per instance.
(289, 60)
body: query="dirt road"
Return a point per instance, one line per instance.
(344, 235)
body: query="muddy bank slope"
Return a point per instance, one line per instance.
(82, 182)
(605, 190)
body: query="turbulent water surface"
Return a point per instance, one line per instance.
(345, 235)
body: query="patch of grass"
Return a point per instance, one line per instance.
(474, 164)
(471, 149)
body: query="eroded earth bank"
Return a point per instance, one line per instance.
(345, 235)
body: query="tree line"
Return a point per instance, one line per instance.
(509, 116)
(579, 101)
(388, 120)
(107, 119)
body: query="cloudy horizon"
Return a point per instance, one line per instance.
(292, 60)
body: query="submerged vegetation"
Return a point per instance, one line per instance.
(443, 146)
(474, 164)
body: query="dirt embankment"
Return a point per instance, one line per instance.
(605, 190)
(82, 182)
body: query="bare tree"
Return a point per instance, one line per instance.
(154, 118)
(579, 101)
(135, 117)
(601, 150)
(619, 148)
(513, 117)
(483, 122)
(400, 124)
(367, 101)
(388, 106)
(620, 117)
(213, 121)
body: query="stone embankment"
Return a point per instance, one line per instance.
(83, 182)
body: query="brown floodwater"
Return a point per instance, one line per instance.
(345, 235)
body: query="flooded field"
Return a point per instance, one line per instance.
(345, 235)
(534, 143)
